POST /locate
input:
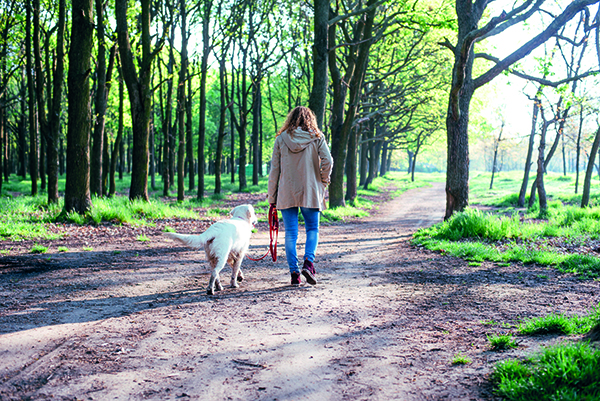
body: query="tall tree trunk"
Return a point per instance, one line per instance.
(56, 107)
(539, 181)
(318, 94)
(33, 140)
(587, 181)
(222, 116)
(351, 167)
(22, 127)
(578, 150)
(340, 130)
(256, 112)
(118, 142)
(202, 116)
(99, 105)
(384, 159)
(496, 146)
(77, 191)
(364, 148)
(189, 140)
(152, 168)
(181, 100)
(457, 117)
(140, 94)
(525, 182)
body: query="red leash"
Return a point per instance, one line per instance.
(274, 233)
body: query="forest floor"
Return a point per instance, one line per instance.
(131, 320)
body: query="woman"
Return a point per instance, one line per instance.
(300, 172)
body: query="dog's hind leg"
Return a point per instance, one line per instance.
(236, 274)
(217, 262)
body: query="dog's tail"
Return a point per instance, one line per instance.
(193, 241)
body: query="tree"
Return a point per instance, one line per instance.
(77, 190)
(181, 100)
(54, 115)
(140, 93)
(469, 14)
(103, 76)
(318, 94)
(33, 142)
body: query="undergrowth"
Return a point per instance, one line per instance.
(563, 372)
(555, 323)
(477, 236)
(26, 217)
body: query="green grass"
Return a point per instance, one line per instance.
(501, 342)
(26, 217)
(477, 236)
(459, 359)
(564, 372)
(507, 185)
(555, 323)
(143, 238)
(39, 249)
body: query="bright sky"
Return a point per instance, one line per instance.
(505, 94)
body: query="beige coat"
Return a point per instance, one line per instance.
(300, 171)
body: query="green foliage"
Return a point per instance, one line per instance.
(563, 372)
(39, 249)
(477, 236)
(25, 217)
(459, 359)
(501, 342)
(560, 324)
(142, 238)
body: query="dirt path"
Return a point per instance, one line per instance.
(132, 321)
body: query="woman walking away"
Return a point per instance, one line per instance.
(300, 172)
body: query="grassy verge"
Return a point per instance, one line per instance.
(477, 236)
(562, 372)
(555, 323)
(507, 185)
(26, 217)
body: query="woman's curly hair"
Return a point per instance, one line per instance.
(303, 118)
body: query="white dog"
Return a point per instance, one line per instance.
(226, 241)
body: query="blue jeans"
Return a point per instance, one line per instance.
(311, 225)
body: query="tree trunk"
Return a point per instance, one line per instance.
(118, 143)
(355, 72)
(189, 140)
(320, 84)
(181, 107)
(202, 113)
(140, 95)
(256, 111)
(539, 181)
(100, 105)
(384, 155)
(525, 183)
(222, 116)
(54, 115)
(33, 142)
(496, 146)
(585, 197)
(364, 148)
(77, 190)
(578, 149)
(351, 167)
(457, 118)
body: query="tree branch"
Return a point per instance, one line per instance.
(339, 18)
(573, 8)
